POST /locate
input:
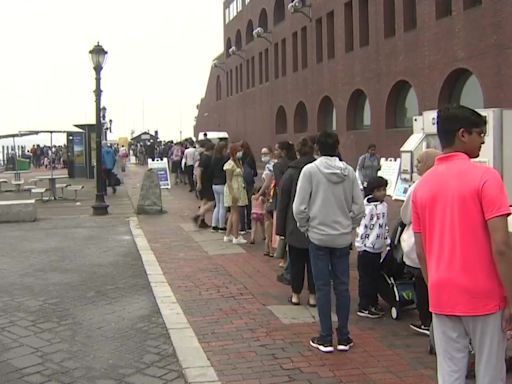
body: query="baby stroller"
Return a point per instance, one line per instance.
(396, 286)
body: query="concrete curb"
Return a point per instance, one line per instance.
(196, 366)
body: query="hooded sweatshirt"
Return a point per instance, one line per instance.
(328, 203)
(372, 234)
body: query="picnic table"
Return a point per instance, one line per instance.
(52, 183)
(18, 181)
(17, 174)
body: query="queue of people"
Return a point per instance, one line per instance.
(455, 243)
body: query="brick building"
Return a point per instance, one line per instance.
(361, 67)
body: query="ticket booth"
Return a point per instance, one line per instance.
(495, 152)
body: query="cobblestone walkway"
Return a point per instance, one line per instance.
(76, 306)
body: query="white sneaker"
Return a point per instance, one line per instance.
(229, 238)
(240, 240)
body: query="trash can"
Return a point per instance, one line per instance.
(22, 164)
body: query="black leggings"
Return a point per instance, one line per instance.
(299, 261)
(422, 302)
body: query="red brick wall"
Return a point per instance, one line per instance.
(477, 39)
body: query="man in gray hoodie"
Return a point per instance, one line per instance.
(328, 206)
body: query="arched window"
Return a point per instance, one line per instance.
(263, 20)
(402, 106)
(249, 37)
(462, 87)
(238, 40)
(219, 89)
(359, 115)
(228, 46)
(279, 11)
(326, 117)
(300, 118)
(281, 121)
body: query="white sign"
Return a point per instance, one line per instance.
(390, 169)
(162, 171)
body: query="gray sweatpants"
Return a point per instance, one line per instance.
(452, 335)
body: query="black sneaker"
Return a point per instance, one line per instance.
(369, 313)
(214, 229)
(321, 346)
(345, 344)
(420, 328)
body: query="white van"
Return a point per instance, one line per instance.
(214, 136)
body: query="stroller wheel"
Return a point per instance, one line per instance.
(395, 313)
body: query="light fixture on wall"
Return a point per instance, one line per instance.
(218, 65)
(300, 6)
(234, 52)
(259, 33)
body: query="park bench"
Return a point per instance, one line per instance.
(38, 190)
(18, 184)
(18, 211)
(29, 188)
(61, 187)
(75, 188)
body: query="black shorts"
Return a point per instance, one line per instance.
(206, 193)
(175, 166)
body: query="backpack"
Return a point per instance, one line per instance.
(248, 174)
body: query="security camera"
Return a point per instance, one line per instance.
(232, 50)
(295, 5)
(300, 6)
(258, 32)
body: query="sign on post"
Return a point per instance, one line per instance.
(162, 171)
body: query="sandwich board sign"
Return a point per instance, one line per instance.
(162, 171)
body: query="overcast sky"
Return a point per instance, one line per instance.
(159, 58)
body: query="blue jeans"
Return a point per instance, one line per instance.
(219, 214)
(331, 264)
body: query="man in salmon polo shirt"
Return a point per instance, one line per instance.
(460, 211)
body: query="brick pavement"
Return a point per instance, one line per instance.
(76, 305)
(226, 298)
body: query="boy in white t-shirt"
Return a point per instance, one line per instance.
(372, 242)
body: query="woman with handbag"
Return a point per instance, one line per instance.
(286, 225)
(285, 152)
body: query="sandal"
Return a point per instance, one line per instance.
(290, 300)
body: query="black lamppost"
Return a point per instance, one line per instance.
(98, 55)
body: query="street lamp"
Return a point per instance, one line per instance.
(98, 56)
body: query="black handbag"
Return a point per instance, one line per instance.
(114, 181)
